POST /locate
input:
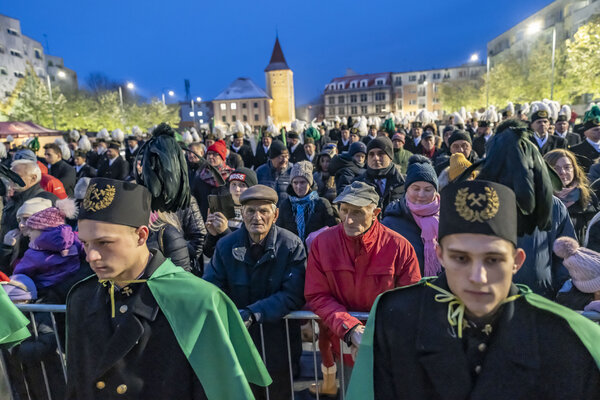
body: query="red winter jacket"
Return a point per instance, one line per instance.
(347, 274)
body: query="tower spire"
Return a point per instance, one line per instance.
(277, 58)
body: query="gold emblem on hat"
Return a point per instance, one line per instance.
(478, 207)
(98, 199)
(543, 114)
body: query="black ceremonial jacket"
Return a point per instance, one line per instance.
(531, 354)
(133, 356)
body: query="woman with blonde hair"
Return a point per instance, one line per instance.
(580, 200)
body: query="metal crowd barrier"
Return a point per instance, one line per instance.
(296, 386)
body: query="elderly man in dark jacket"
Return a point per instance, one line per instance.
(30, 173)
(261, 268)
(276, 172)
(382, 172)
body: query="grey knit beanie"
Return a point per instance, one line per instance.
(303, 169)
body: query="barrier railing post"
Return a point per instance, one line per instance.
(312, 325)
(264, 354)
(289, 351)
(35, 335)
(63, 361)
(342, 377)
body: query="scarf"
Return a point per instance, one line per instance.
(428, 153)
(569, 195)
(299, 207)
(208, 177)
(379, 173)
(427, 217)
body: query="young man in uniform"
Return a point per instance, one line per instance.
(142, 326)
(471, 333)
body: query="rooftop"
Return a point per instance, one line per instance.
(277, 59)
(242, 88)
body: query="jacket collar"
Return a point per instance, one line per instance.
(367, 239)
(29, 193)
(239, 249)
(509, 367)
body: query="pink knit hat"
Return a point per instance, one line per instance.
(53, 216)
(583, 264)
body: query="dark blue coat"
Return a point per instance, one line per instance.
(267, 176)
(270, 288)
(398, 218)
(543, 270)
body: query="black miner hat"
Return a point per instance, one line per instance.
(478, 206)
(116, 202)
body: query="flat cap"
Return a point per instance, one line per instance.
(358, 194)
(259, 192)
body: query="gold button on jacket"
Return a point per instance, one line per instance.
(100, 385)
(121, 389)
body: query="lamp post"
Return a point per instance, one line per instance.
(534, 28)
(129, 86)
(170, 93)
(487, 81)
(60, 74)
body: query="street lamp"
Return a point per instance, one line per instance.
(61, 75)
(170, 93)
(474, 57)
(198, 99)
(129, 86)
(534, 28)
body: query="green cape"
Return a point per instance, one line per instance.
(13, 324)
(361, 384)
(210, 332)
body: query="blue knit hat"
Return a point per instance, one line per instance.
(357, 147)
(420, 169)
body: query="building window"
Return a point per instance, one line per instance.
(19, 74)
(422, 105)
(353, 110)
(399, 92)
(224, 118)
(436, 100)
(201, 121)
(341, 110)
(341, 100)
(200, 113)
(16, 53)
(363, 83)
(364, 109)
(435, 88)
(191, 113)
(446, 75)
(331, 100)
(363, 97)
(462, 74)
(38, 53)
(233, 106)
(233, 118)
(412, 78)
(422, 91)
(255, 105)
(412, 102)
(12, 32)
(380, 96)
(437, 76)
(422, 77)
(223, 106)
(379, 108)
(50, 64)
(353, 98)
(380, 82)
(340, 86)
(245, 118)
(244, 105)
(2, 51)
(332, 111)
(398, 81)
(353, 85)
(256, 117)
(399, 105)
(3, 71)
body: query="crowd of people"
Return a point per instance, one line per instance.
(490, 218)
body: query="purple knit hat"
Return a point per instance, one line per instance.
(53, 216)
(583, 264)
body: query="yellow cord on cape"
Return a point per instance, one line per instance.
(456, 308)
(111, 290)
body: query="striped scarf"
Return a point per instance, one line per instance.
(299, 207)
